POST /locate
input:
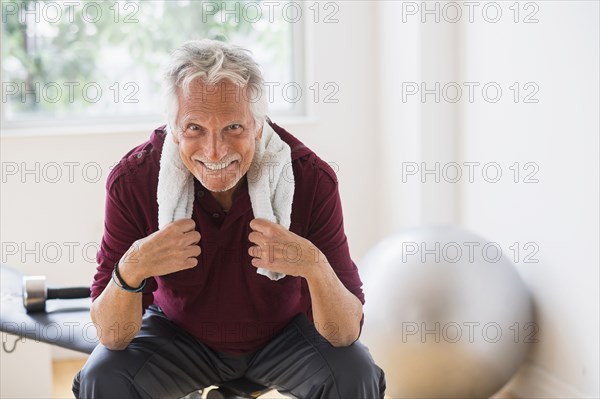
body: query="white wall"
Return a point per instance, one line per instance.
(560, 212)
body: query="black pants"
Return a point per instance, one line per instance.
(164, 361)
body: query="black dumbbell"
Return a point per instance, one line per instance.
(35, 293)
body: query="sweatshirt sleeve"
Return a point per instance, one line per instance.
(122, 228)
(326, 230)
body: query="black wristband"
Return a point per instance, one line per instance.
(122, 284)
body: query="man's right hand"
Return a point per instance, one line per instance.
(169, 250)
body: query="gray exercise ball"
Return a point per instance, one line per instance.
(446, 315)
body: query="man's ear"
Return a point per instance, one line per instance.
(259, 134)
(174, 136)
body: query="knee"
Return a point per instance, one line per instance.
(104, 365)
(104, 369)
(356, 373)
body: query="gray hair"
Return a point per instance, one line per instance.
(214, 61)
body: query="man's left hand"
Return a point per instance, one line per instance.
(279, 250)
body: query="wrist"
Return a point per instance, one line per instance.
(316, 270)
(129, 274)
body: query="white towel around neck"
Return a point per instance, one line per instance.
(270, 186)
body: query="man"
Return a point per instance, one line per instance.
(182, 307)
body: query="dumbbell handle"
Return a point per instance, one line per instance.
(35, 293)
(68, 292)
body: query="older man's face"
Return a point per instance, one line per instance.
(216, 134)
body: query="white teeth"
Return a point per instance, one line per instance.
(217, 165)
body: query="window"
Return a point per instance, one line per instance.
(94, 62)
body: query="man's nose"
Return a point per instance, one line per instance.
(216, 147)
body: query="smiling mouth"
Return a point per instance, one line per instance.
(217, 165)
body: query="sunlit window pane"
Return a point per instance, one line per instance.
(104, 59)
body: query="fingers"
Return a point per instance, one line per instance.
(255, 251)
(191, 251)
(182, 225)
(190, 262)
(264, 231)
(266, 236)
(260, 258)
(191, 238)
(256, 238)
(183, 231)
(181, 240)
(263, 226)
(191, 248)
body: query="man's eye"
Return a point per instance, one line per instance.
(234, 126)
(192, 130)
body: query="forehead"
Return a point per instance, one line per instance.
(224, 97)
